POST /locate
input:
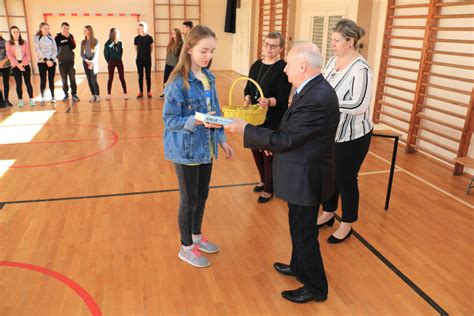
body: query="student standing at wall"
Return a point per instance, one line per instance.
(47, 53)
(186, 27)
(18, 52)
(113, 51)
(173, 50)
(144, 47)
(66, 45)
(90, 56)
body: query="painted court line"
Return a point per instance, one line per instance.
(425, 182)
(4, 203)
(397, 272)
(376, 172)
(86, 297)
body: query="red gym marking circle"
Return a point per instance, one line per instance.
(114, 139)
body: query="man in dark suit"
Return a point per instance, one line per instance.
(303, 165)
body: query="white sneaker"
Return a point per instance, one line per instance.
(193, 257)
(107, 97)
(125, 96)
(92, 99)
(53, 100)
(97, 98)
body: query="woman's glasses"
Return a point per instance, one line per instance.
(266, 45)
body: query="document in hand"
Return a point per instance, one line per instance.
(212, 119)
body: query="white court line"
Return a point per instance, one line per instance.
(425, 182)
(376, 172)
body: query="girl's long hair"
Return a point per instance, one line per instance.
(20, 40)
(39, 33)
(91, 35)
(183, 67)
(173, 44)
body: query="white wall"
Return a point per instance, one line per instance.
(102, 25)
(213, 15)
(242, 39)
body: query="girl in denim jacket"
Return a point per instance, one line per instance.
(190, 144)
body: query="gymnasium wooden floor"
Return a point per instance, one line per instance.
(88, 225)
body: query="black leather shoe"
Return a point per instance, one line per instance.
(334, 240)
(262, 199)
(284, 269)
(258, 188)
(329, 223)
(303, 295)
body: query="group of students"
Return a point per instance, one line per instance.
(321, 140)
(51, 52)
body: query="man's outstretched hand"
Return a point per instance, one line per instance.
(237, 127)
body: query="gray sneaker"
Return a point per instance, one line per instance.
(193, 257)
(206, 246)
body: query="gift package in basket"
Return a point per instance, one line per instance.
(253, 114)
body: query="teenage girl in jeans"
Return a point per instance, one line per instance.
(47, 53)
(90, 57)
(191, 144)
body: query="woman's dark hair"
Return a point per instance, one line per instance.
(112, 34)
(20, 40)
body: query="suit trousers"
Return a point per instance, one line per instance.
(306, 261)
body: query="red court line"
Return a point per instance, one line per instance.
(115, 140)
(86, 297)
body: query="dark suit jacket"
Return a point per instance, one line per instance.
(303, 145)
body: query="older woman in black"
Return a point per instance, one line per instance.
(268, 73)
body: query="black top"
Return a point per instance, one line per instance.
(143, 47)
(66, 47)
(274, 83)
(303, 146)
(113, 50)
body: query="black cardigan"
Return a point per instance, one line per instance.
(274, 83)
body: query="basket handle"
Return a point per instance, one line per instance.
(243, 78)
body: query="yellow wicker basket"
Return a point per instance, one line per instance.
(253, 114)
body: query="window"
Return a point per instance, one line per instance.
(321, 34)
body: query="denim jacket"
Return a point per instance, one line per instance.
(186, 143)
